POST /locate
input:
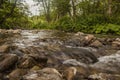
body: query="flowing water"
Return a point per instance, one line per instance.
(66, 48)
(50, 37)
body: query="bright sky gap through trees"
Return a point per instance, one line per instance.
(34, 9)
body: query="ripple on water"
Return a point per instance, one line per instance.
(113, 58)
(29, 38)
(109, 63)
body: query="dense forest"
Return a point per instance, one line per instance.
(90, 16)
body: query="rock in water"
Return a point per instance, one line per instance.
(89, 38)
(74, 62)
(18, 31)
(35, 68)
(116, 43)
(25, 63)
(96, 43)
(81, 54)
(4, 48)
(79, 34)
(7, 61)
(70, 73)
(17, 74)
(104, 76)
(44, 74)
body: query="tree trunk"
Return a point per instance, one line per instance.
(1, 2)
(109, 11)
(74, 7)
(46, 6)
(48, 12)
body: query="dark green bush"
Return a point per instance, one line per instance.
(64, 24)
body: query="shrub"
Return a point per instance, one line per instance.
(107, 29)
(64, 24)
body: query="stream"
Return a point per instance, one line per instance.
(90, 55)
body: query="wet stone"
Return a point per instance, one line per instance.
(70, 73)
(35, 68)
(116, 44)
(17, 74)
(4, 48)
(89, 38)
(39, 58)
(96, 43)
(104, 76)
(7, 61)
(44, 74)
(25, 63)
(79, 34)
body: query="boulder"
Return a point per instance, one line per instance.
(17, 52)
(89, 37)
(117, 39)
(81, 54)
(70, 73)
(35, 68)
(96, 43)
(25, 63)
(10, 31)
(79, 34)
(42, 60)
(17, 31)
(0, 30)
(3, 31)
(116, 43)
(104, 76)
(17, 74)
(7, 61)
(44, 74)
(4, 48)
(72, 56)
(81, 68)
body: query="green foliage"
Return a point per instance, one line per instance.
(89, 24)
(41, 25)
(13, 15)
(63, 7)
(81, 23)
(64, 24)
(107, 29)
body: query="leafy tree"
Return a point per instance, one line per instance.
(13, 14)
